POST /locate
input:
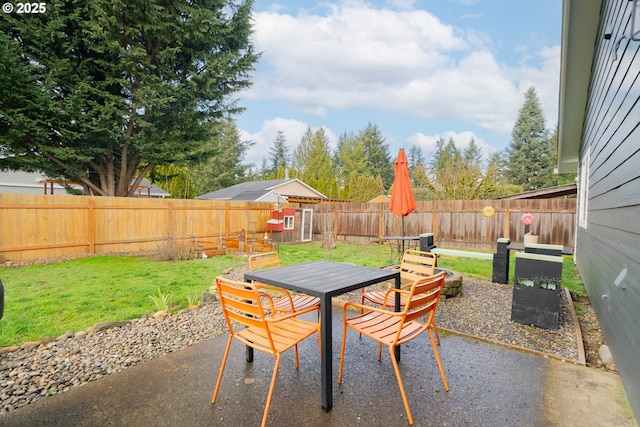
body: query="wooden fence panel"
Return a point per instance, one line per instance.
(44, 226)
(455, 224)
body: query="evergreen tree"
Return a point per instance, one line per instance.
(416, 158)
(530, 158)
(472, 153)
(417, 171)
(377, 156)
(562, 178)
(350, 158)
(264, 172)
(279, 154)
(444, 156)
(98, 92)
(312, 161)
(457, 175)
(225, 168)
(419, 178)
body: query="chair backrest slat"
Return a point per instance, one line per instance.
(416, 264)
(264, 261)
(241, 303)
(423, 296)
(243, 307)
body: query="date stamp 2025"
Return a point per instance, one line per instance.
(24, 8)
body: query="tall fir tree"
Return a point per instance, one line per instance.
(278, 155)
(313, 163)
(416, 158)
(100, 92)
(472, 153)
(350, 158)
(529, 157)
(377, 154)
(225, 168)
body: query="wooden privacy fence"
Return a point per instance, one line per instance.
(455, 224)
(38, 226)
(43, 226)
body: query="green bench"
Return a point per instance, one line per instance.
(461, 253)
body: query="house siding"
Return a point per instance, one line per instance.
(24, 183)
(608, 245)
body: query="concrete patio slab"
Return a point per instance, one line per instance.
(490, 385)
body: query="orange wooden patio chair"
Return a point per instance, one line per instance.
(415, 265)
(289, 302)
(250, 323)
(395, 328)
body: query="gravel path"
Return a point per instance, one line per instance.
(32, 373)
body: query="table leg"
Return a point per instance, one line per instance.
(326, 354)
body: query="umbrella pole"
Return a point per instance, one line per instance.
(402, 235)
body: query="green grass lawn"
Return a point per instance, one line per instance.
(50, 299)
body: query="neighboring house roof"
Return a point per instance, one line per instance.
(265, 191)
(580, 21)
(545, 193)
(147, 189)
(383, 198)
(19, 182)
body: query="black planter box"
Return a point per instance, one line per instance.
(536, 290)
(426, 242)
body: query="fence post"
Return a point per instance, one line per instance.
(507, 223)
(435, 223)
(91, 226)
(171, 214)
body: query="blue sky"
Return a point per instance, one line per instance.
(418, 69)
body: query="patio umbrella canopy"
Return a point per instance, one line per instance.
(402, 201)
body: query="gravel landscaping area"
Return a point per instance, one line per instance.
(42, 369)
(484, 311)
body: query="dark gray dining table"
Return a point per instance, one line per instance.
(325, 279)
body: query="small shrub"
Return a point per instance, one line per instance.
(162, 301)
(174, 250)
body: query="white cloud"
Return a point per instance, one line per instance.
(401, 4)
(397, 61)
(405, 62)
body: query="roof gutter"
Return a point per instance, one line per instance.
(580, 25)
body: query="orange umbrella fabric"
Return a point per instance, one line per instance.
(402, 200)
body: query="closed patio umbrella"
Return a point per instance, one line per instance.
(402, 200)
